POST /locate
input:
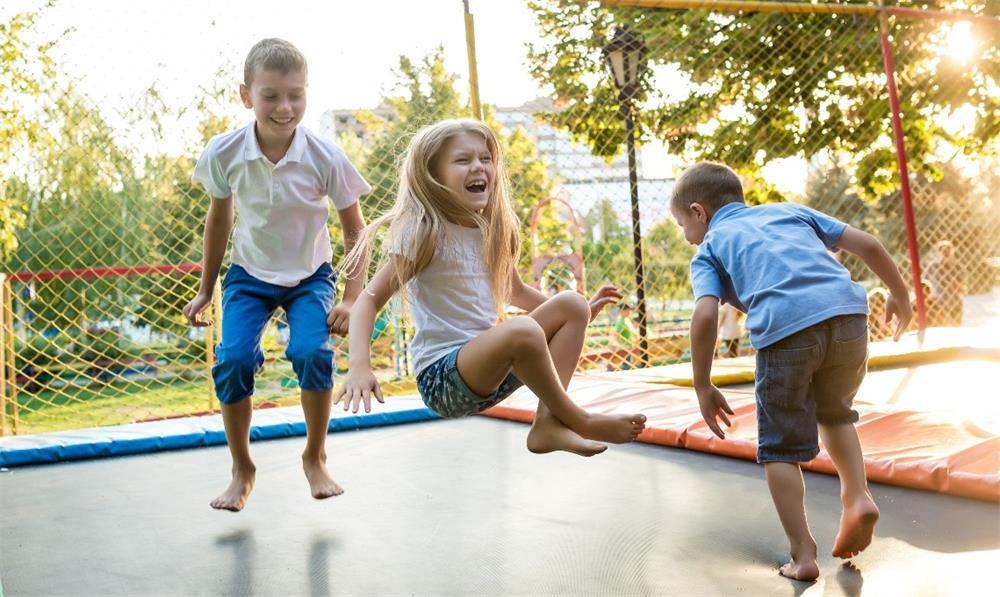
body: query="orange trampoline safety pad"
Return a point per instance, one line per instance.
(932, 427)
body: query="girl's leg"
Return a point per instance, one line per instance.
(784, 479)
(309, 350)
(520, 344)
(564, 319)
(859, 515)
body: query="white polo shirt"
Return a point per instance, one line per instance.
(281, 234)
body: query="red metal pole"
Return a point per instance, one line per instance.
(904, 176)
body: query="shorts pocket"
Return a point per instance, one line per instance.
(851, 330)
(788, 373)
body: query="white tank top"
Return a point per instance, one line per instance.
(451, 300)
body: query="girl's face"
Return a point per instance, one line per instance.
(465, 167)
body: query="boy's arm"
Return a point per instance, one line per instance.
(870, 250)
(704, 334)
(351, 223)
(218, 226)
(360, 384)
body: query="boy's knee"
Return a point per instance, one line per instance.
(237, 362)
(319, 354)
(233, 374)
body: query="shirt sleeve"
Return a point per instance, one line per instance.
(209, 174)
(827, 228)
(344, 183)
(705, 279)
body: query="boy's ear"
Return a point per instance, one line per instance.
(699, 211)
(245, 96)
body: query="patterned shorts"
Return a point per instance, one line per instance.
(444, 391)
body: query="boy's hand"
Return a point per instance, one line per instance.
(602, 298)
(713, 404)
(359, 386)
(193, 310)
(339, 318)
(902, 309)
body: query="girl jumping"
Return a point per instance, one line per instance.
(452, 242)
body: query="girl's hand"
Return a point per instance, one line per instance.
(604, 297)
(359, 386)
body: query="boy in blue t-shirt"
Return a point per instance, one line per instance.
(808, 322)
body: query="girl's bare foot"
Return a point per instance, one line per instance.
(235, 496)
(321, 484)
(803, 565)
(616, 429)
(857, 525)
(548, 434)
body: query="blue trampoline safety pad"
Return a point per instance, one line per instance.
(192, 432)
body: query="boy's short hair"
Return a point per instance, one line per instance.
(708, 183)
(273, 53)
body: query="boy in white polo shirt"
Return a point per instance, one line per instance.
(280, 176)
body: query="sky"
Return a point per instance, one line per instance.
(118, 48)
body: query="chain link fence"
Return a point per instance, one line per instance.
(108, 224)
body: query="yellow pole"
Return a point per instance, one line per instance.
(470, 46)
(215, 312)
(3, 355)
(11, 364)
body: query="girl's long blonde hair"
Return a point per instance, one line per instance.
(423, 204)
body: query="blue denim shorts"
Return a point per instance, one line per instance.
(247, 306)
(445, 392)
(808, 378)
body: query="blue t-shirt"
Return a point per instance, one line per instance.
(773, 262)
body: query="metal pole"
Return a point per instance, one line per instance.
(216, 314)
(904, 176)
(470, 46)
(8, 316)
(3, 355)
(633, 185)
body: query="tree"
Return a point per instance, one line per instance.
(24, 69)
(752, 87)
(425, 93)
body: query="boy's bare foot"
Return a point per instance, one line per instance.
(803, 565)
(857, 524)
(548, 434)
(235, 496)
(321, 484)
(616, 429)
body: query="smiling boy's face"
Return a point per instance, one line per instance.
(693, 220)
(278, 101)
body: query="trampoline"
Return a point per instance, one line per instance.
(459, 507)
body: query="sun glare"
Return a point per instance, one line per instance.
(960, 44)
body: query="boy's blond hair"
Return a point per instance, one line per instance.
(709, 184)
(275, 54)
(423, 204)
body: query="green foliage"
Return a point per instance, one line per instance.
(749, 88)
(25, 67)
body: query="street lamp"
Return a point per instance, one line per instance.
(626, 58)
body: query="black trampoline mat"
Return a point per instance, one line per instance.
(461, 508)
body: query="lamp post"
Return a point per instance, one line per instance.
(626, 58)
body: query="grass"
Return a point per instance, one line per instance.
(125, 401)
